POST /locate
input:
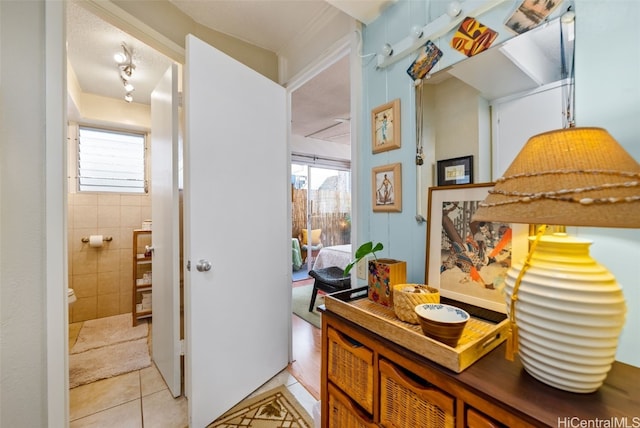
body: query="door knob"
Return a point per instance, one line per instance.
(203, 265)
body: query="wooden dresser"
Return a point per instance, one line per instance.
(369, 381)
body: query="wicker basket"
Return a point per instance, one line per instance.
(350, 367)
(407, 402)
(407, 296)
(344, 414)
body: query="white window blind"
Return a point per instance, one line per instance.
(111, 161)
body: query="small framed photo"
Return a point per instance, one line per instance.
(385, 126)
(387, 188)
(468, 260)
(455, 171)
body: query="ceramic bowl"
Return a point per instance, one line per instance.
(441, 322)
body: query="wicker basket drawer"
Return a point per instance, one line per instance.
(350, 367)
(344, 414)
(408, 402)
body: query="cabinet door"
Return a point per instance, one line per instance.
(475, 419)
(406, 401)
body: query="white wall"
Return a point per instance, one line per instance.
(26, 159)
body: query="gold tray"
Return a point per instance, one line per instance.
(483, 332)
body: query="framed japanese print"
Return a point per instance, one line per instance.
(385, 126)
(468, 260)
(386, 186)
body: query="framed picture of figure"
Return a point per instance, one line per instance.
(386, 182)
(385, 127)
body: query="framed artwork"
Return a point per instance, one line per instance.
(472, 37)
(385, 126)
(466, 260)
(455, 171)
(386, 183)
(529, 14)
(428, 57)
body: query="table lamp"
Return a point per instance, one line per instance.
(566, 311)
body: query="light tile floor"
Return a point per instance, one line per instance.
(142, 399)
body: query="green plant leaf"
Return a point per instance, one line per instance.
(363, 251)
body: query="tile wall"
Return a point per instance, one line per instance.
(102, 277)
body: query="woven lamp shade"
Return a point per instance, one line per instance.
(571, 177)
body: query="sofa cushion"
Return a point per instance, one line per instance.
(315, 236)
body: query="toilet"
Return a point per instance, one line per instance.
(71, 296)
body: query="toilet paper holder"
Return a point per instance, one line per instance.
(105, 238)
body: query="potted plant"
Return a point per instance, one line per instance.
(383, 273)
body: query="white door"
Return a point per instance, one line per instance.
(166, 238)
(238, 312)
(543, 110)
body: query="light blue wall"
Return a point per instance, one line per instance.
(607, 95)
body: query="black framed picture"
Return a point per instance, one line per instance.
(455, 171)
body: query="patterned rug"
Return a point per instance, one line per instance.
(273, 409)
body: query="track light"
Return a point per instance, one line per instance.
(126, 66)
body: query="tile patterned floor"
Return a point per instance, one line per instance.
(142, 399)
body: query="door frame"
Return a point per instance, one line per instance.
(346, 46)
(57, 359)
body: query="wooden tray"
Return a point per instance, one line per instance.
(483, 332)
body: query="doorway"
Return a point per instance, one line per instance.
(321, 209)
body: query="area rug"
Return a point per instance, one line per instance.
(273, 409)
(301, 296)
(108, 347)
(108, 331)
(108, 361)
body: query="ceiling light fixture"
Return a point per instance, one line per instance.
(126, 66)
(416, 32)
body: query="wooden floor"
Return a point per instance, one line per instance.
(307, 345)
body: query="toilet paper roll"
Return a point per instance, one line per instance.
(95, 241)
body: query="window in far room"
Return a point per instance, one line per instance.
(111, 161)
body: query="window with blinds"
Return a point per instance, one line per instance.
(111, 161)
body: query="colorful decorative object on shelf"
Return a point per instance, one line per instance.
(472, 37)
(429, 55)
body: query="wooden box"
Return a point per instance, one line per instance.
(484, 331)
(383, 275)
